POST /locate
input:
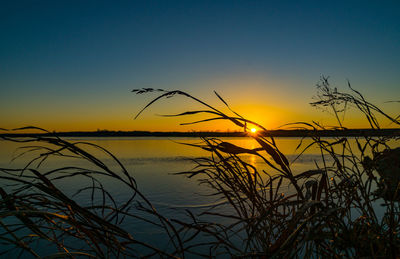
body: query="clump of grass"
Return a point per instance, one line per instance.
(333, 210)
(34, 209)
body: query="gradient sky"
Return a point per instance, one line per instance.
(70, 65)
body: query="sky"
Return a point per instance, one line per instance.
(71, 65)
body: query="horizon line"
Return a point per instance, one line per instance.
(268, 133)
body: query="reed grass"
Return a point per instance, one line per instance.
(333, 208)
(32, 201)
(331, 211)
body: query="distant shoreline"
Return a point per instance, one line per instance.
(271, 133)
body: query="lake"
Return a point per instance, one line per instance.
(153, 163)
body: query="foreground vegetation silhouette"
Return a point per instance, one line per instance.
(347, 206)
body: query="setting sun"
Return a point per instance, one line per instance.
(253, 130)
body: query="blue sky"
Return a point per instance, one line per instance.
(66, 63)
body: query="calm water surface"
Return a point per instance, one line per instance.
(153, 162)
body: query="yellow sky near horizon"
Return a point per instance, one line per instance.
(271, 117)
(264, 100)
